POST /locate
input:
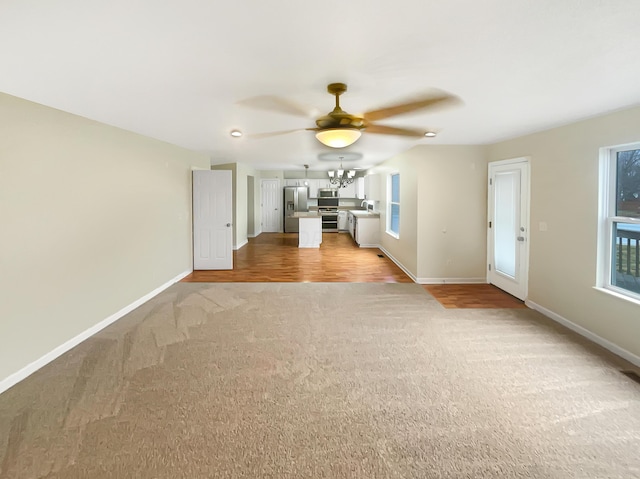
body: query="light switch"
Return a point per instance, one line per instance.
(543, 226)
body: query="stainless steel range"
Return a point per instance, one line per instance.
(328, 209)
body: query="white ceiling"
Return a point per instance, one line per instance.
(177, 70)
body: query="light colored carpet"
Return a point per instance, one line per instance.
(322, 381)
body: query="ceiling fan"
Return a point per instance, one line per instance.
(339, 129)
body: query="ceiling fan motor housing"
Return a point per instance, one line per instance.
(339, 118)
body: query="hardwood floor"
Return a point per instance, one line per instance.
(472, 296)
(276, 257)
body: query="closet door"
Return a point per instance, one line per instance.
(212, 216)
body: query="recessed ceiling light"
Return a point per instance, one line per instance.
(430, 134)
(236, 133)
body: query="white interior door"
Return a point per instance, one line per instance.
(271, 205)
(212, 216)
(508, 234)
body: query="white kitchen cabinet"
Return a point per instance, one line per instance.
(367, 232)
(313, 183)
(348, 191)
(364, 229)
(372, 187)
(313, 188)
(359, 185)
(297, 182)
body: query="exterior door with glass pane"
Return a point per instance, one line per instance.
(508, 233)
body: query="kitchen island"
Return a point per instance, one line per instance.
(310, 229)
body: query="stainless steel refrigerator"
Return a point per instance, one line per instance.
(295, 199)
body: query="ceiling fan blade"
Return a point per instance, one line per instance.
(269, 134)
(391, 130)
(282, 105)
(439, 99)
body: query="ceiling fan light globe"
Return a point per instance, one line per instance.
(338, 137)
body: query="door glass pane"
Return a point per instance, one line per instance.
(625, 264)
(628, 183)
(507, 191)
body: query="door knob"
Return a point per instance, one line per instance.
(228, 225)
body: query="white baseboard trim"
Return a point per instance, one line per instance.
(255, 235)
(452, 280)
(31, 368)
(605, 343)
(237, 247)
(399, 264)
(432, 280)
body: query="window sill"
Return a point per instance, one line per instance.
(618, 295)
(392, 234)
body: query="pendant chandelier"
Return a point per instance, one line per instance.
(340, 177)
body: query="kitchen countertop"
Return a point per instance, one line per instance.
(306, 214)
(364, 214)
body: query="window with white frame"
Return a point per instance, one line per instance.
(620, 228)
(393, 213)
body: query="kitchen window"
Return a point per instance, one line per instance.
(619, 240)
(393, 213)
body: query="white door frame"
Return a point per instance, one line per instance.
(518, 286)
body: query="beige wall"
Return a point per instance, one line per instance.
(271, 174)
(404, 248)
(564, 195)
(442, 188)
(93, 218)
(452, 213)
